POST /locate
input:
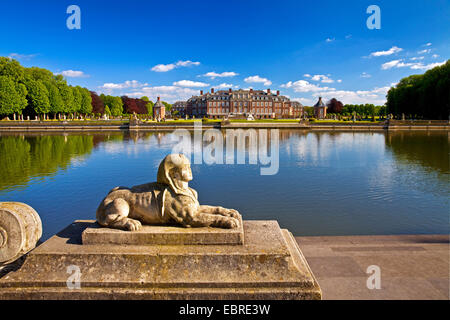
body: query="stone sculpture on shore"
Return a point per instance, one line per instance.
(169, 200)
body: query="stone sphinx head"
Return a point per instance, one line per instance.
(175, 171)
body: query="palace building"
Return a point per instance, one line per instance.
(242, 103)
(179, 109)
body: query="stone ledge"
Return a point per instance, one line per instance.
(161, 235)
(269, 265)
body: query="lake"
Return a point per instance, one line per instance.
(327, 183)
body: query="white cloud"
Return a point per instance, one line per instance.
(417, 58)
(348, 36)
(73, 74)
(187, 63)
(375, 96)
(171, 66)
(390, 64)
(123, 85)
(424, 51)
(321, 78)
(411, 65)
(258, 79)
(307, 75)
(339, 80)
(304, 86)
(189, 83)
(365, 75)
(435, 56)
(167, 93)
(225, 86)
(19, 56)
(214, 75)
(163, 67)
(392, 50)
(330, 39)
(427, 44)
(420, 66)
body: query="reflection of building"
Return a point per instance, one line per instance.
(259, 103)
(179, 109)
(159, 110)
(320, 109)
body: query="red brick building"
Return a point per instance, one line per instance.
(320, 109)
(159, 110)
(241, 103)
(179, 109)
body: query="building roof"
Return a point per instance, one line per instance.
(158, 104)
(319, 103)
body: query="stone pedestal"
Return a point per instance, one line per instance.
(201, 263)
(163, 235)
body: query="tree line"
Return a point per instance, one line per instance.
(336, 107)
(425, 96)
(37, 91)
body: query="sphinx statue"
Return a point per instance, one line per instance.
(167, 201)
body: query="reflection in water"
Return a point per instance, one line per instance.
(428, 149)
(24, 157)
(328, 183)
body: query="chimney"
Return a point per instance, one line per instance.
(212, 90)
(201, 92)
(158, 98)
(268, 91)
(229, 90)
(278, 92)
(251, 90)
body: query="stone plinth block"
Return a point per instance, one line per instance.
(163, 235)
(268, 265)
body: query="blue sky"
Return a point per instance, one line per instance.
(173, 48)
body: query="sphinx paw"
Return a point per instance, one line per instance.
(230, 223)
(133, 225)
(233, 213)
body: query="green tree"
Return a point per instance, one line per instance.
(37, 96)
(149, 105)
(107, 111)
(11, 68)
(167, 105)
(56, 102)
(67, 96)
(422, 96)
(115, 104)
(12, 96)
(86, 102)
(77, 99)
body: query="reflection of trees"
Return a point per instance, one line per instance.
(429, 149)
(24, 157)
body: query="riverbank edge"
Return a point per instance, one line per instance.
(20, 126)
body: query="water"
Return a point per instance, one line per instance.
(346, 183)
